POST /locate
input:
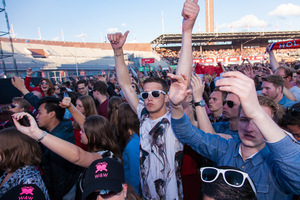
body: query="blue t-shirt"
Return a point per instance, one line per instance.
(131, 159)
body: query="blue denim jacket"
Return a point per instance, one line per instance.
(274, 170)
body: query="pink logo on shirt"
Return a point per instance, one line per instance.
(27, 190)
(101, 167)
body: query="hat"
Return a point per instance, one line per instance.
(24, 191)
(106, 173)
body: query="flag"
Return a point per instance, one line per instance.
(162, 22)
(39, 33)
(199, 28)
(232, 27)
(262, 27)
(12, 32)
(62, 35)
(290, 27)
(276, 27)
(83, 36)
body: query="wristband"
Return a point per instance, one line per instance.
(174, 105)
(42, 137)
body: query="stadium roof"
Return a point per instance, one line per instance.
(235, 37)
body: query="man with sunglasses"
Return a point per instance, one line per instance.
(226, 129)
(160, 151)
(265, 152)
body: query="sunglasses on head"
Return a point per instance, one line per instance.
(13, 106)
(105, 194)
(229, 103)
(155, 94)
(232, 177)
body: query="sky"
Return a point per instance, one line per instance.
(143, 18)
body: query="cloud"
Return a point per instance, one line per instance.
(112, 30)
(286, 10)
(55, 39)
(124, 24)
(247, 20)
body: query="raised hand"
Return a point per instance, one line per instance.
(29, 72)
(198, 87)
(189, 13)
(18, 82)
(32, 131)
(117, 40)
(65, 103)
(244, 88)
(178, 90)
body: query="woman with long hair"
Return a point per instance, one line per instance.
(19, 156)
(96, 133)
(129, 141)
(86, 105)
(113, 106)
(45, 87)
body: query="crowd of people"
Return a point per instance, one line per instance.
(172, 56)
(162, 134)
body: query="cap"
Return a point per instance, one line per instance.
(24, 191)
(106, 173)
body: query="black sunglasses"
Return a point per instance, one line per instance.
(155, 94)
(105, 194)
(229, 103)
(13, 106)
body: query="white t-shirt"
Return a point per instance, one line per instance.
(160, 158)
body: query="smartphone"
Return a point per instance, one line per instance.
(24, 121)
(66, 94)
(36, 69)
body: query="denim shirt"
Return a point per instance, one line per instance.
(274, 170)
(223, 127)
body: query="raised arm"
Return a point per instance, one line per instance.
(67, 150)
(189, 12)
(117, 41)
(76, 114)
(244, 88)
(273, 62)
(203, 121)
(177, 93)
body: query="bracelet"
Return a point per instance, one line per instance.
(42, 137)
(174, 105)
(117, 55)
(72, 111)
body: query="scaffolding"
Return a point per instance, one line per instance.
(6, 33)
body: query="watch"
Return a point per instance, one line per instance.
(200, 103)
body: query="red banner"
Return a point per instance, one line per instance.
(147, 60)
(209, 60)
(208, 69)
(261, 57)
(289, 44)
(199, 60)
(220, 60)
(233, 59)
